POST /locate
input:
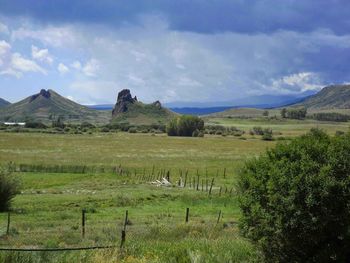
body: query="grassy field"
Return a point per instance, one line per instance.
(47, 213)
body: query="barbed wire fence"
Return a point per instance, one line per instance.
(115, 235)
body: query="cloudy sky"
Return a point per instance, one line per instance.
(183, 50)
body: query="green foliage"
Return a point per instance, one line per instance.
(185, 125)
(295, 200)
(35, 125)
(267, 135)
(265, 113)
(296, 113)
(9, 187)
(58, 123)
(284, 113)
(331, 116)
(257, 130)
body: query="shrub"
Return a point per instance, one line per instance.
(58, 123)
(296, 113)
(295, 200)
(132, 130)
(105, 129)
(9, 187)
(257, 131)
(35, 125)
(331, 116)
(195, 133)
(185, 125)
(267, 135)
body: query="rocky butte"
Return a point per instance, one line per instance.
(123, 101)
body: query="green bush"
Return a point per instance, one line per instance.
(331, 116)
(35, 125)
(9, 187)
(257, 130)
(267, 135)
(295, 200)
(132, 130)
(185, 125)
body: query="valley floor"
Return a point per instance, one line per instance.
(48, 212)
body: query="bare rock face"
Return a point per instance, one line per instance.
(157, 104)
(43, 93)
(124, 99)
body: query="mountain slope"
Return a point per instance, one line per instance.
(130, 110)
(48, 105)
(4, 103)
(330, 97)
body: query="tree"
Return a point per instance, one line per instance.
(296, 113)
(284, 113)
(295, 200)
(185, 125)
(58, 123)
(265, 113)
(9, 187)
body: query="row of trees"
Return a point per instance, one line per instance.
(294, 113)
(331, 116)
(186, 125)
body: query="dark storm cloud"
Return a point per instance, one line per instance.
(204, 16)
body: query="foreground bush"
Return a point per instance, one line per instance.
(9, 187)
(295, 200)
(185, 125)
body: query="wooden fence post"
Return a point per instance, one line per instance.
(224, 173)
(126, 219)
(8, 223)
(217, 222)
(187, 214)
(83, 223)
(211, 186)
(197, 181)
(123, 238)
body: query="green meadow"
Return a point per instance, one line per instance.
(48, 211)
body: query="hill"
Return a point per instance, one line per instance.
(238, 112)
(130, 110)
(47, 105)
(4, 103)
(330, 97)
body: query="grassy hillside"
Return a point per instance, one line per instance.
(3, 103)
(48, 105)
(331, 97)
(139, 113)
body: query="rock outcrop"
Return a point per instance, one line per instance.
(123, 101)
(44, 93)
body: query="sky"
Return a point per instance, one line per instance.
(172, 51)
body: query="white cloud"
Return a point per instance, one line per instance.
(296, 83)
(76, 65)
(14, 63)
(25, 65)
(4, 29)
(158, 63)
(91, 68)
(41, 55)
(63, 36)
(62, 68)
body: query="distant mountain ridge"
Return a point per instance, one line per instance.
(195, 108)
(4, 103)
(330, 97)
(47, 105)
